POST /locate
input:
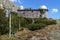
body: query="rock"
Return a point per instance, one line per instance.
(55, 35)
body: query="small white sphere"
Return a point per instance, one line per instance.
(43, 7)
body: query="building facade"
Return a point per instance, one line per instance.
(34, 13)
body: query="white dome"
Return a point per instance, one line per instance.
(21, 7)
(43, 7)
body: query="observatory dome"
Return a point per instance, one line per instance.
(43, 7)
(21, 7)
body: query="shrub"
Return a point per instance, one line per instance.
(45, 21)
(35, 26)
(53, 22)
(28, 20)
(49, 22)
(4, 22)
(38, 23)
(23, 22)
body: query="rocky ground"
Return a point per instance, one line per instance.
(52, 32)
(55, 34)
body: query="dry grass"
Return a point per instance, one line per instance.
(6, 37)
(26, 34)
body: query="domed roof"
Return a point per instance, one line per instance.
(21, 7)
(43, 7)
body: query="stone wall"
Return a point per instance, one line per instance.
(29, 14)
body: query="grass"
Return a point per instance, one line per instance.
(28, 34)
(6, 37)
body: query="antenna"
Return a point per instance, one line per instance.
(20, 2)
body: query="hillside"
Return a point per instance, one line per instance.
(49, 33)
(40, 29)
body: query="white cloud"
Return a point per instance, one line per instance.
(54, 10)
(16, 1)
(11, 0)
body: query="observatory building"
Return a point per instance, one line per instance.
(42, 12)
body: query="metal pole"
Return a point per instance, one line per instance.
(10, 26)
(19, 25)
(33, 21)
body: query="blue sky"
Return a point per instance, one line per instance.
(51, 4)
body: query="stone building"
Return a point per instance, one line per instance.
(33, 13)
